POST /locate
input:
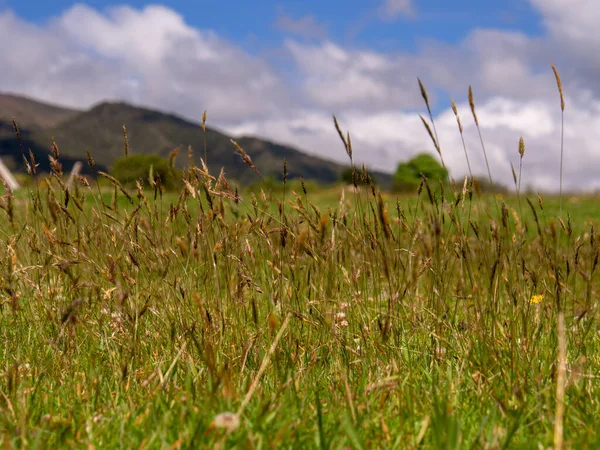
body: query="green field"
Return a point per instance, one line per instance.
(332, 318)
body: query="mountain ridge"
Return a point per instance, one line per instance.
(100, 130)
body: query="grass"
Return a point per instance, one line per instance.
(297, 318)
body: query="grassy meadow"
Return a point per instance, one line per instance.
(298, 318)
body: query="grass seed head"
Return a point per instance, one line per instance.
(246, 158)
(424, 95)
(428, 128)
(126, 141)
(455, 110)
(90, 160)
(472, 105)
(560, 88)
(521, 147)
(342, 137)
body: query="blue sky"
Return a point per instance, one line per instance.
(279, 69)
(253, 24)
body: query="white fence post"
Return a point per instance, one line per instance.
(74, 173)
(8, 177)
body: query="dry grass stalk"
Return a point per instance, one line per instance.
(424, 95)
(32, 161)
(204, 133)
(455, 110)
(462, 137)
(116, 184)
(190, 156)
(560, 88)
(562, 134)
(172, 156)
(342, 137)
(263, 366)
(18, 135)
(56, 166)
(90, 160)
(487, 163)
(521, 147)
(561, 379)
(472, 105)
(245, 157)
(433, 135)
(55, 150)
(204, 173)
(428, 128)
(126, 141)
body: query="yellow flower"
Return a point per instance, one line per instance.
(536, 299)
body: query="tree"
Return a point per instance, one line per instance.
(408, 174)
(130, 169)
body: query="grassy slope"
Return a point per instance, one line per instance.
(123, 328)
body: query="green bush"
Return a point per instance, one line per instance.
(132, 168)
(408, 174)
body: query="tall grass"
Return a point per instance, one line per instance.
(212, 318)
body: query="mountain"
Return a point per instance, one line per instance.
(30, 113)
(100, 129)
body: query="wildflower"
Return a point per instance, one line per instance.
(228, 420)
(340, 316)
(536, 299)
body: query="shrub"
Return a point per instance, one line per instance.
(130, 169)
(408, 174)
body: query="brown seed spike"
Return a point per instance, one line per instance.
(521, 147)
(455, 110)
(27, 166)
(424, 95)
(245, 157)
(204, 121)
(430, 133)
(560, 88)
(126, 141)
(172, 157)
(190, 156)
(55, 150)
(349, 146)
(453, 105)
(17, 132)
(91, 161)
(32, 161)
(472, 105)
(339, 130)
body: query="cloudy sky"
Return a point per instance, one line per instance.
(279, 69)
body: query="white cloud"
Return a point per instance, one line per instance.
(573, 20)
(337, 78)
(85, 56)
(154, 57)
(392, 9)
(144, 37)
(306, 26)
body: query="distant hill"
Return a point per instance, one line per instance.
(31, 113)
(100, 129)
